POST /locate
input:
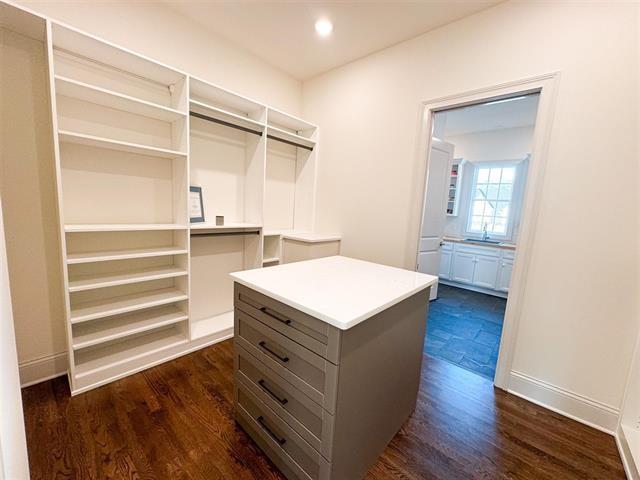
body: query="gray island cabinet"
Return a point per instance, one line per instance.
(327, 361)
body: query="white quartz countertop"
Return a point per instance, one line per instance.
(339, 290)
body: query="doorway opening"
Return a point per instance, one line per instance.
(477, 174)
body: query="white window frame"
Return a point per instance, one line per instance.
(513, 204)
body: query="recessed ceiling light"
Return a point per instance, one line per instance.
(324, 27)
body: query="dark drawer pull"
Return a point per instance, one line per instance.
(263, 345)
(263, 384)
(272, 314)
(262, 423)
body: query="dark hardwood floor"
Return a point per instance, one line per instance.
(175, 421)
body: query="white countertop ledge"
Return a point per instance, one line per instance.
(339, 290)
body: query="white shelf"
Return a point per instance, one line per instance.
(125, 304)
(107, 143)
(288, 121)
(87, 46)
(122, 227)
(270, 260)
(74, 258)
(220, 96)
(212, 325)
(94, 360)
(226, 226)
(229, 117)
(90, 282)
(89, 334)
(290, 137)
(107, 98)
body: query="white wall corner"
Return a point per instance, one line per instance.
(630, 468)
(575, 406)
(42, 369)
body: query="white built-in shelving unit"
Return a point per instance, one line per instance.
(455, 187)
(144, 285)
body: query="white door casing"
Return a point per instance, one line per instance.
(434, 211)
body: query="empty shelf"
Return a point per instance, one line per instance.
(125, 304)
(90, 282)
(212, 325)
(100, 331)
(276, 117)
(289, 137)
(130, 351)
(107, 98)
(226, 116)
(106, 256)
(227, 226)
(270, 260)
(111, 144)
(122, 227)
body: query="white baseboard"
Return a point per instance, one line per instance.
(577, 407)
(630, 468)
(42, 369)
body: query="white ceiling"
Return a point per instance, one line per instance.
(282, 32)
(486, 117)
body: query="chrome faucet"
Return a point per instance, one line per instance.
(485, 234)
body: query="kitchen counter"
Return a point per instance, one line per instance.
(339, 290)
(480, 243)
(327, 361)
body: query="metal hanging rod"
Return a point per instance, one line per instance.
(225, 234)
(226, 124)
(289, 142)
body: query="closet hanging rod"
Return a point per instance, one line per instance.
(226, 124)
(224, 234)
(289, 142)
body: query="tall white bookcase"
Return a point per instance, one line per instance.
(143, 284)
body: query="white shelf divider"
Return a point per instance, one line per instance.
(92, 282)
(122, 227)
(106, 256)
(107, 98)
(125, 304)
(111, 144)
(93, 360)
(89, 334)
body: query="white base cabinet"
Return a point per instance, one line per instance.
(477, 267)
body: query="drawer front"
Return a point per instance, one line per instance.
(285, 445)
(317, 336)
(310, 373)
(307, 418)
(475, 250)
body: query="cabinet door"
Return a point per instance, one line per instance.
(445, 264)
(504, 276)
(485, 273)
(462, 267)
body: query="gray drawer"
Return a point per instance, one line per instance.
(286, 447)
(306, 417)
(315, 376)
(317, 336)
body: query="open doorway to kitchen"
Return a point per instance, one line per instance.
(478, 166)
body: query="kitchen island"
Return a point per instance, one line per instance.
(327, 363)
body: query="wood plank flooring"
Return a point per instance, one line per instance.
(175, 421)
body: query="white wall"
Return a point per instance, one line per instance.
(489, 146)
(155, 30)
(579, 313)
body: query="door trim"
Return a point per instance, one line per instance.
(547, 86)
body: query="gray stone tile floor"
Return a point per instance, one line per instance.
(464, 328)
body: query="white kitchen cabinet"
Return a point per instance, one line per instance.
(485, 272)
(462, 267)
(445, 264)
(504, 275)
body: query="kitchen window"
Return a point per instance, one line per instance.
(491, 205)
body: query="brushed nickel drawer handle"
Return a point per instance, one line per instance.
(263, 384)
(263, 345)
(272, 314)
(263, 424)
